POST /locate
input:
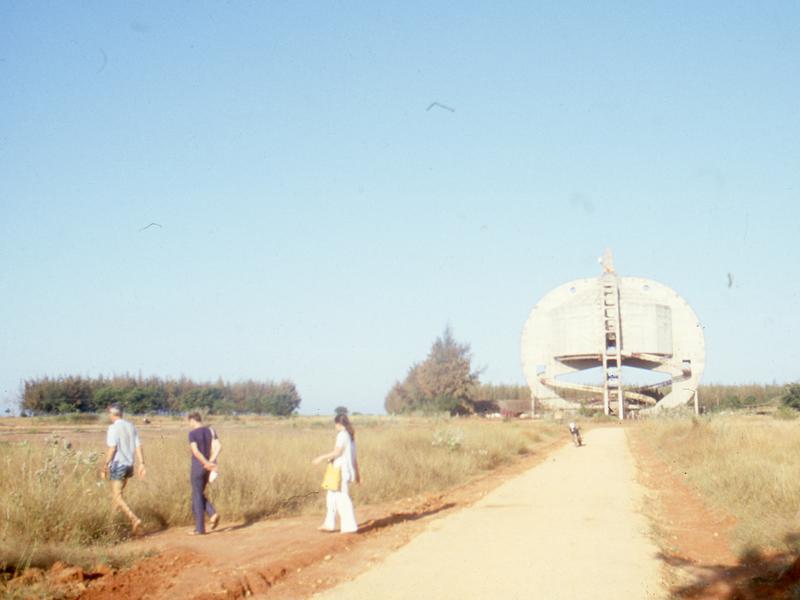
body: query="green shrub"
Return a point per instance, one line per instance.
(791, 397)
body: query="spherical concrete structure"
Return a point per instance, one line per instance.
(612, 322)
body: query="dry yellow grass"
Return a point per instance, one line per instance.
(746, 466)
(51, 496)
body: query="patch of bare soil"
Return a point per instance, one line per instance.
(696, 541)
(285, 558)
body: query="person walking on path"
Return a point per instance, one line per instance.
(205, 447)
(343, 457)
(122, 446)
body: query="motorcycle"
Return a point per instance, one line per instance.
(575, 432)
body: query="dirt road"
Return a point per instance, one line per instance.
(568, 528)
(286, 558)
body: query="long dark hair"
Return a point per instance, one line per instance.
(345, 422)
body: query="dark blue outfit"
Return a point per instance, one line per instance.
(202, 436)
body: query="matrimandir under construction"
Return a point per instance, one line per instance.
(612, 322)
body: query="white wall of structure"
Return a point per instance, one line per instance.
(564, 333)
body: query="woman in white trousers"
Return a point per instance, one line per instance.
(344, 457)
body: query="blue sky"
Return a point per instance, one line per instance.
(319, 224)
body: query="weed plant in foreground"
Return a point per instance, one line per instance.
(745, 466)
(53, 503)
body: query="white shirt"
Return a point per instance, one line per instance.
(347, 461)
(122, 435)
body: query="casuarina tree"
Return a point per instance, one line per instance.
(443, 382)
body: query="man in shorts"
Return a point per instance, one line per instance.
(123, 445)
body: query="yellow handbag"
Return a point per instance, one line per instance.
(332, 479)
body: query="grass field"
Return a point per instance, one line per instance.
(54, 506)
(748, 467)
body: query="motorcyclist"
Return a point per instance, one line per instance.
(575, 432)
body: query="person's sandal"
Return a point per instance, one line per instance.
(214, 521)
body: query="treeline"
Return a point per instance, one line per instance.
(714, 397)
(490, 392)
(139, 395)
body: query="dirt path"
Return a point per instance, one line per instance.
(569, 528)
(287, 558)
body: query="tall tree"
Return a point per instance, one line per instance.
(444, 381)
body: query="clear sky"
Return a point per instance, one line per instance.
(319, 224)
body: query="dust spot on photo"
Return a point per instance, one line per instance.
(139, 27)
(578, 200)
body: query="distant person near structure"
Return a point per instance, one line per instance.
(575, 432)
(122, 446)
(205, 447)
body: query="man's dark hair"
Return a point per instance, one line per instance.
(195, 416)
(115, 409)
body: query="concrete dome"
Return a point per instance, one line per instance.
(613, 322)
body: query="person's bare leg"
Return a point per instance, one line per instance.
(118, 502)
